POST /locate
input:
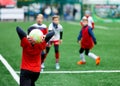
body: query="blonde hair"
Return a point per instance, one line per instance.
(55, 16)
(40, 15)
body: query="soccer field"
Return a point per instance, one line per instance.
(108, 48)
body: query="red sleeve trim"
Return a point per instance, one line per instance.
(24, 42)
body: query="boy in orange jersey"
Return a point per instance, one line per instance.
(39, 25)
(31, 58)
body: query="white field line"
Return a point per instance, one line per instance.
(101, 27)
(9, 68)
(96, 26)
(77, 72)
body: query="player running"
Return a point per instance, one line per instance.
(56, 39)
(87, 40)
(39, 25)
(90, 19)
(30, 66)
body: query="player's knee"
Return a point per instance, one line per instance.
(86, 53)
(47, 49)
(56, 50)
(80, 51)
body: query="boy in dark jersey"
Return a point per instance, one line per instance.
(31, 58)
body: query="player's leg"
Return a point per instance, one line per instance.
(48, 48)
(34, 77)
(92, 55)
(42, 56)
(45, 55)
(25, 78)
(82, 57)
(42, 59)
(57, 55)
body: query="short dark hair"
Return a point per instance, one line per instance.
(55, 16)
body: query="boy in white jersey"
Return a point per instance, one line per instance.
(39, 25)
(90, 19)
(56, 39)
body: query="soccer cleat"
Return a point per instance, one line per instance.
(42, 66)
(98, 61)
(81, 62)
(57, 66)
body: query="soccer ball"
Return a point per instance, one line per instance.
(36, 35)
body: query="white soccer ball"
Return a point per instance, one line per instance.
(36, 35)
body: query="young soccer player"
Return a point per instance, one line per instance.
(56, 39)
(87, 40)
(31, 58)
(39, 25)
(90, 19)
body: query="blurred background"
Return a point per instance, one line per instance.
(105, 13)
(69, 10)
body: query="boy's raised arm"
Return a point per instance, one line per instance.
(79, 36)
(49, 36)
(20, 33)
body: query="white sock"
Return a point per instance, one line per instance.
(92, 55)
(82, 57)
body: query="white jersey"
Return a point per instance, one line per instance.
(90, 21)
(39, 26)
(57, 31)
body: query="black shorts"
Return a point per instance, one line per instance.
(28, 78)
(82, 50)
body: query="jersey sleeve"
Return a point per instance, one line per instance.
(43, 45)
(49, 36)
(20, 33)
(50, 27)
(79, 36)
(24, 42)
(30, 29)
(44, 29)
(92, 34)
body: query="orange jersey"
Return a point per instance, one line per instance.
(31, 57)
(86, 41)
